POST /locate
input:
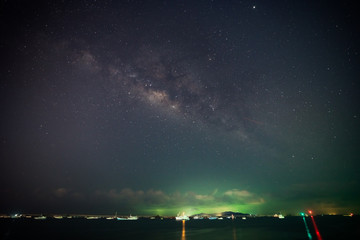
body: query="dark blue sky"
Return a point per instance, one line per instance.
(157, 107)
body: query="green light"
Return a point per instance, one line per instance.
(307, 228)
(302, 214)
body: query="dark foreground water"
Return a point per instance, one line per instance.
(330, 227)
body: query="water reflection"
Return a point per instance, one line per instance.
(183, 231)
(316, 228)
(307, 228)
(234, 232)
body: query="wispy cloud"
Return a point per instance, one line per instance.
(159, 199)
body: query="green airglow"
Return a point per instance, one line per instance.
(191, 210)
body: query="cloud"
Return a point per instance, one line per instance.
(60, 192)
(241, 196)
(157, 198)
(238, 193)
(67, 193)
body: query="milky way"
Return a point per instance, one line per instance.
(172, 84)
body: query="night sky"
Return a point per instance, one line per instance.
(159, 107)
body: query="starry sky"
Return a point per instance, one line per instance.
(157, 107)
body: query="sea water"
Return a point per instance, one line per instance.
(330, 227)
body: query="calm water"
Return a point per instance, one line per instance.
(330, 227)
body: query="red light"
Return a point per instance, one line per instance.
(316, 228)
(310, 211)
